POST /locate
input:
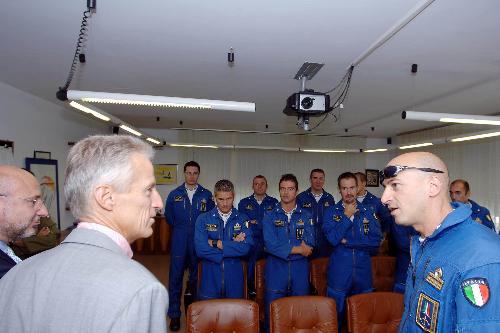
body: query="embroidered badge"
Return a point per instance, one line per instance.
(366, 226)
(476, 291)
(211, 227)
(327, 204)
(249, 207)
(427, 313)
(237, 227)
(178, 198)
(478, 220)
(270, 208)
(279, 223)
(300, 222)
(336, 218)
(203, 207)
(306, 205)
(488, 217)
(435, 278)
(299, 233)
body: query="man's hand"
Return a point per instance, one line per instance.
(343, 241)
(303, 249)
(45, 231)
(351, 209)
(219, 245)
(240, 237)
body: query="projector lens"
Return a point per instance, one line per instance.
(307, 103)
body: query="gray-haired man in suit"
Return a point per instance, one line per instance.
(89, 283)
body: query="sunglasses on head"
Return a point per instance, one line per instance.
(392, 171)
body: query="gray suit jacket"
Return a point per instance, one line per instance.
(86, 284)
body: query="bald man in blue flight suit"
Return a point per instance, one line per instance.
(316, 200)
(453, 277)
(460, 192)
(182, 208)
(222, 241)
(254, 207)
(354, 231)
(289, 240)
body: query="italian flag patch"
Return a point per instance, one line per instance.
(476, 291)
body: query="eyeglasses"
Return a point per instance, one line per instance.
(35, 202)
(392, 171)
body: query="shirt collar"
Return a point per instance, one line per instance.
(115, 236)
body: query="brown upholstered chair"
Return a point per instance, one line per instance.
(378, 312)
(260, 285)
(383, 272)
(245, 287)
(223, 316)
(303, 314)
(318, 269)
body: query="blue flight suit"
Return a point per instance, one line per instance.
(453, 278)
(286, 274)
(255, 213)
(222, 270)
(306, 201)
(182, 215)
(401, 236)
(349, 268)
(383, 213)
(481, 215)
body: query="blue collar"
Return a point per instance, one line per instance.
(459, 214)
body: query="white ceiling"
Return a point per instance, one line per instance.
(179, 48)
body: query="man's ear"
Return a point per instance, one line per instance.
(103, 195)
(435, 186)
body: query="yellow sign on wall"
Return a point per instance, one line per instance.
(166, 174)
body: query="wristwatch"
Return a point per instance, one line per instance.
(214, 242)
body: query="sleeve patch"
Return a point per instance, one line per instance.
(476, 291)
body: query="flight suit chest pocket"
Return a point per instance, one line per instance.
(212, 230)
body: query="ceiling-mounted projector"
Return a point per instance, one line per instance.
(307, 102)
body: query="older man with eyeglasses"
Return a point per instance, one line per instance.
(453, 277)
(21, 207)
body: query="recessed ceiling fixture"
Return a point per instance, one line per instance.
(451, 118)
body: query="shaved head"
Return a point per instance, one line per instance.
(423, 160)
(417, 195)
(12, 178)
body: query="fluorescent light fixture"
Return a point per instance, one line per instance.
(323, 150)
(374, 150)
(475, 137)
(130, 130)
(267, 148)
(416, 145)
(162, 101)
(451, 118)
(189, 145)
(156, 142)
(89, 110)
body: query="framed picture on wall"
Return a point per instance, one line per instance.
(372, 179)
(166, 174)
(45, 171)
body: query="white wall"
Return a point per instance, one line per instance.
(36, 124)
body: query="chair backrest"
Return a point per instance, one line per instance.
(260, 285)
(378, 312)
(303, 314)
(318, 269)
(245, 287)
(383, 272)
(223, 316)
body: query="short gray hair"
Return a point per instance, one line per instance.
(100, 159)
